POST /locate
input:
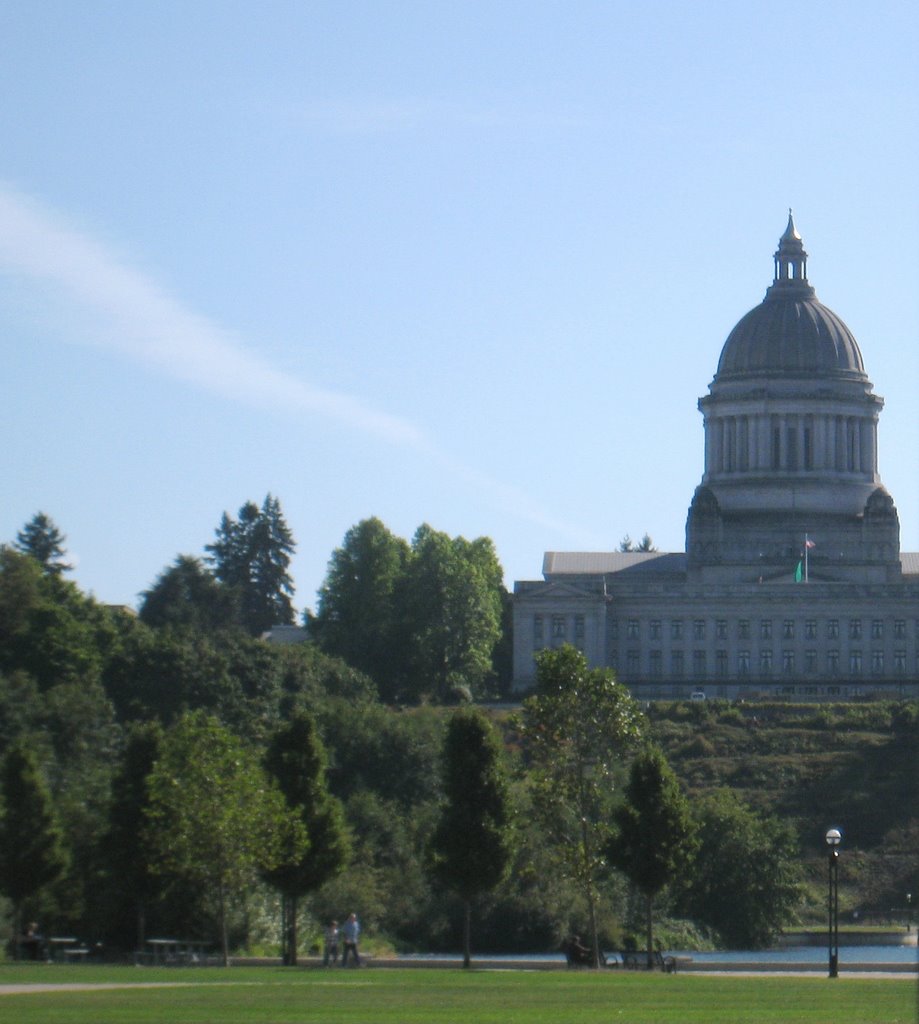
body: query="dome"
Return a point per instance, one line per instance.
(791, 334)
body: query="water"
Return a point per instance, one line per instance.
(775, 957)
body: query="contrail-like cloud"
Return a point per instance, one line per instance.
(143, 322)
(147, 324)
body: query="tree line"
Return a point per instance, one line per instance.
(172, 773)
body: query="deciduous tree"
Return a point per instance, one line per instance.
(215, 818)
(654, 831)
(358, 617)
(32, 853)
(576, 728)
(745, 883)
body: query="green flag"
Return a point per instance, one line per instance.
(799, 572)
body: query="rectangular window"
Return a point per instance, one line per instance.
(743, 629)
(655, 629)
(698, 663)
(899, 662)
(788, 629)
(698, 629)
(657, 669)
(537, 631)
(631, 629)
(788, 662)
(721, 663)
(855, 662)
(743, 663)
(765, 661)
(810, 662)
(676, 663)
(832, 663)
(855, 629)
(899, 629)
(810, 629)
(877, 662)
(676, 629)
(579, 627)
(558, 627)
(765, 629)
(721, 629)
(877, 629)
(832, 629)
(632, 663)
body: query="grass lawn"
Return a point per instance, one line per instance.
(274, 996)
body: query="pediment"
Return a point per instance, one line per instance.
(552, 593)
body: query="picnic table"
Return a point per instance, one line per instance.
(173, 952)
(65, 949)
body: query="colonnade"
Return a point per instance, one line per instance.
(790, 442)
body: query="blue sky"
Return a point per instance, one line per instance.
(469, 264)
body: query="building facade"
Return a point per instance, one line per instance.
(792, 583)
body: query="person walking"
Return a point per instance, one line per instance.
(350, 933)
(330, 945)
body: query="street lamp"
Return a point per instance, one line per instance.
(833, 839)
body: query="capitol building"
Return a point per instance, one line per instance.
(792, 584)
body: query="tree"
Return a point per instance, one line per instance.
(251, 555)
(296, 760)
(745, 880)
(470, 847)
(654, 831)
(576, 728)
(32, 852)
(42, 540)
(127, 851)
(187, 596)
(357, 616)
(451, 602)
(214, 818)
(645, 544)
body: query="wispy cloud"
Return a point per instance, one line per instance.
(144, 322)
(136, 317)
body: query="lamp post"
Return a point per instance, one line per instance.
(833, 839)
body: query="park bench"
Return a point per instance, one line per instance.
(637, 960)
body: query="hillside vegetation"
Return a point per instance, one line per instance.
(815, 765)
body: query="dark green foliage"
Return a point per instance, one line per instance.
(654, 831)
(188, 596)
(576, 729)
(32, 854)
(470, 847)
(42, 540)
(251, 556)
(358, 617)
(213, 816)
(126, 852)
(420, 620)
(746, 881)
(296, 760)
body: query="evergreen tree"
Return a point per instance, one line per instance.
(296, 760)
(31, 846)
(251, 555)
(42, 540)
(470, 848)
